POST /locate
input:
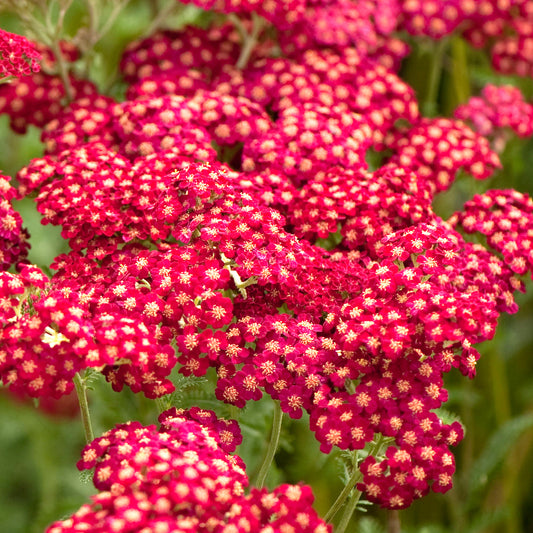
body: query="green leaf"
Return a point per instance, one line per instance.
(498, 447)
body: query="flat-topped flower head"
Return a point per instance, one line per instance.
(179, 478)
(365, 206)
(179, 62)
(505, 217)
(437, 148)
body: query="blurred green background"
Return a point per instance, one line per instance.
(39, 482)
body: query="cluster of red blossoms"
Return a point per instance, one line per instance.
(13, 237)
(497, 112)
(503, 27)
(18, 56)
(182, 478)
(194, 210)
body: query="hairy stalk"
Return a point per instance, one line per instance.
(348, 511)
(341, 498)
(393, 522)
(90, 35)
(110, 19)
(272, 447)
(63, 71)
(81, 391)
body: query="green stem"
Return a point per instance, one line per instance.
(81, 391)
(54, 32)
(249, 40)
(393, 524)
(272, 447)
(348, 511)
(502, 409)
(341, 498)
(459, 70)
(430, 101)
(92, 29)
(339, 502)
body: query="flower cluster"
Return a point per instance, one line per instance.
(194, 210)
(37, 98)
(366, 205)
(505, 217)
(504, 27)
(13, 237)
(437, 148)
(496, 111)
(18, 56)
(181, 478)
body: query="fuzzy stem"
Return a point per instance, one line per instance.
(81, 391)
(348, 511)
(272, 447)
(54, 32)
(341, 498)
(162, 15)
(110, 20)
(339, 502)
(91, 31)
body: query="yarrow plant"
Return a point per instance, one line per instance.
(252, 204)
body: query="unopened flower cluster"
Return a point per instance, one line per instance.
(194, 210)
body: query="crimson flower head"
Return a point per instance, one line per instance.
(18, 55)
(181, 478)
(496, 111)
(13, 237)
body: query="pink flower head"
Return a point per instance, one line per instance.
(498, 109)
(505, 217)
(437, 148)
(18, 56)
(179, 478)
(281, 13)
(433, 18)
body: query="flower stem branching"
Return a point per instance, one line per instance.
(249, 40)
